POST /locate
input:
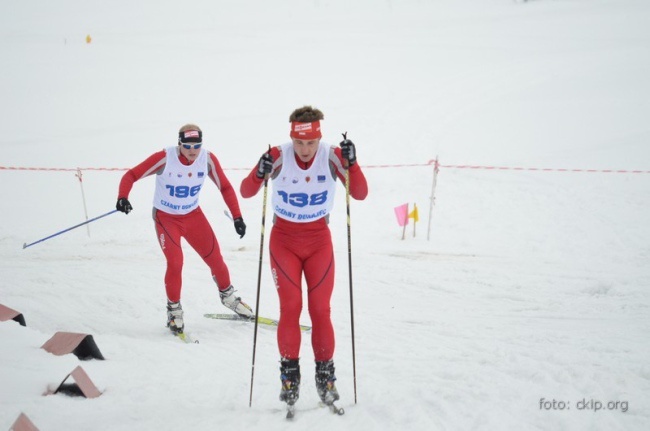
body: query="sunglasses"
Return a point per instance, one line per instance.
(191, 147)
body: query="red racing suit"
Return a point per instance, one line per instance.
(304, 248)
(193, 226)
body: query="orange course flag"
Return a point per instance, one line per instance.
(414, 214)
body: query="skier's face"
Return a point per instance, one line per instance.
(305, 149)
(190, 153)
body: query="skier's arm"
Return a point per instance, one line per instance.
(217, 176)
(252, 183)
(150, 166)
(358, 183)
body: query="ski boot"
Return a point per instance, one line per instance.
(175, 317)
(325, 386)
(290, 377)
(235, 303)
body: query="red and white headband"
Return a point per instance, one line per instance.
(306, 131)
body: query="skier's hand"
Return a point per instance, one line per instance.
(123, 205)
(240, 226)
(349, 151)
(265, 166)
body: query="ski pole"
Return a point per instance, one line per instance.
(68, 229)
(347, 209)
(259, 282)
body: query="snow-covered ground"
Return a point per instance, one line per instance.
(528, 305)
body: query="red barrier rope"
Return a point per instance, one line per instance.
(20, 168)
(508, 168)
(429, 163)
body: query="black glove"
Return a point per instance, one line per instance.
(124, 205)
(348, 151)
(240, 226)
(265, 166)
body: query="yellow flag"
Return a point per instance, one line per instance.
(414, 214)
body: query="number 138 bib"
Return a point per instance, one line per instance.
(301, 195)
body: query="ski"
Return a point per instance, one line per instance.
(186, 338)
(261, 320)
(291, 411)
(336, 410)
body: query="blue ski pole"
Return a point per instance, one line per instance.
(68, 229)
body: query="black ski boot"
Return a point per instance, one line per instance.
(290, 377)
(325, 379)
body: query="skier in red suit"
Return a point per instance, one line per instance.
(180, 172)
(303, 175)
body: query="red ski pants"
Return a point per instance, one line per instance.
(297, 249)
(198, 233)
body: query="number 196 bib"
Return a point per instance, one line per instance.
(178, 186)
